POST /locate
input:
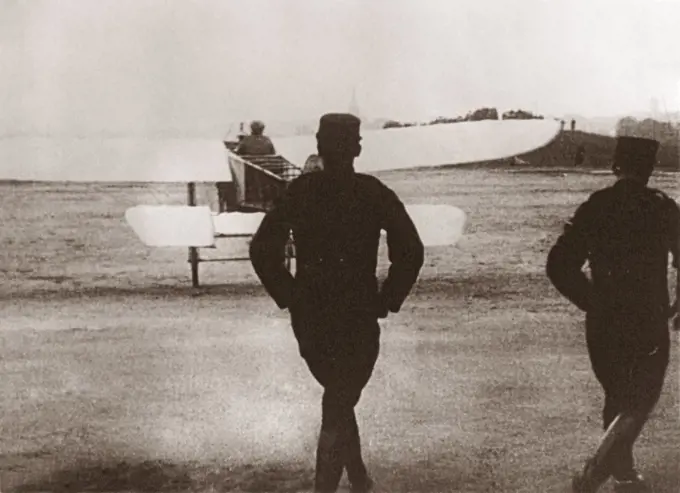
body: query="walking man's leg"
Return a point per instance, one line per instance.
(339, 441)
(354, 463)
(645, 385)
(362, 370)
(632, 382)
(610, 373)
(329, 452)
(342, 363)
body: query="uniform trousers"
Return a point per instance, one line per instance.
(629, 355)
(340, 351)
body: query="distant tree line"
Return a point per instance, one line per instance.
(667, 133)
(521, 115)
(664, 132)
(472, 116)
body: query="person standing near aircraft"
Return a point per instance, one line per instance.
(256, 144)
(625, 232)
(335, 300)
(312, 164)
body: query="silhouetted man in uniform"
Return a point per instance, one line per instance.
(625, 232)
(256, 144)
(335, 300)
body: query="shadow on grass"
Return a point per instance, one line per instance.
(280, 477)
(483, 284)
(157, 476)
(151, 291)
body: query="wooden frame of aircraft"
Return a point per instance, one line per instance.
(256, 184)
(271, 175)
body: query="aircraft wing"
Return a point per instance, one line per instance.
(237, 223)
(113, 160)
(434, 145)
(191, 160)
(172, 225)
(189, 226)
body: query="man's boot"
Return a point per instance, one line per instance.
(626, 477)
(590, 479)
(631, 482)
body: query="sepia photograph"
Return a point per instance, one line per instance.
(304, 246)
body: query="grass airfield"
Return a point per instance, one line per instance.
(117, 376)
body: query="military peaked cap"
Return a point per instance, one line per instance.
(339, 125)
(634, 153)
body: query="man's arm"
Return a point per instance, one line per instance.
(674, 247)
(267, 254)
(567, 258)
(674, 231)
(405, 250)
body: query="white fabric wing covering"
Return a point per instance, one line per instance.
(438, 225)
(172, 225)
(113, 160)
(187, 160)
(185, 226)
(435, 145)
(237, 223)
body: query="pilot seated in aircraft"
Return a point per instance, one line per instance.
(625, 232)
(256, 144)
(335, 300)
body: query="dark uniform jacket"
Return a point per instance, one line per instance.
(255, 145)
(625, 232)
(336, 221)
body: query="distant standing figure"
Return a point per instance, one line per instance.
(625, 232)
(256, 144)
(573, 125)
(335, 299)
(241, 133)
(580, 156)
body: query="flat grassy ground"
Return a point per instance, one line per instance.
(116, 376)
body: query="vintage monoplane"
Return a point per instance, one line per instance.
(251, 183)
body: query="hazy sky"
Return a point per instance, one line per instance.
(150, 66)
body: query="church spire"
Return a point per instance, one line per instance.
(353, 105)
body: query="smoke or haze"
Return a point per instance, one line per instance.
(144, 67)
